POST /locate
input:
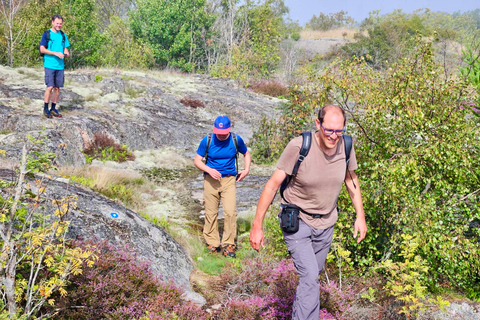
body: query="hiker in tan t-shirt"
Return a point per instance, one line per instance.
(315, 189)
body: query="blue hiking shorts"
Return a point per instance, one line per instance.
(54, 78)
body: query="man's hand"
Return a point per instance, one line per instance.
(214, 174)
(257, 238)
(242, 175)
(60, 55)
(360, 229)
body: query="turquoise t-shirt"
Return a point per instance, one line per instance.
(221, 154)
(55, 44)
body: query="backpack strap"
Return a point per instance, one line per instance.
(63, 38)
(235, 142)
(306, 144)
(347, 140)
(348, 147)
(209, 141)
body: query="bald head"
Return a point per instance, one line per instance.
(331, 109)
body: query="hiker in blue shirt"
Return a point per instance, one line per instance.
(220, 174)
(54, 48)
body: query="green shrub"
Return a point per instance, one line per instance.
(416, 145)
(105, 148)
(418, 173)
(295, 36)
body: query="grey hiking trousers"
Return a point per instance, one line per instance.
(309, 248)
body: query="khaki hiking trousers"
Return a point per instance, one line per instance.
(214, 191)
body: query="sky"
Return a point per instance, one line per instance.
(303, 10)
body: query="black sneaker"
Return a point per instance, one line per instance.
(55, 113)
(47, 114)
(229, 251)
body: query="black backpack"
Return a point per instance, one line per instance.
(48, 40)
(307, 142)
(234, 137)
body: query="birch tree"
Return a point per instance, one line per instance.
(14, 28)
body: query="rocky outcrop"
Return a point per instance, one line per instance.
(140, 110)
(98, 218)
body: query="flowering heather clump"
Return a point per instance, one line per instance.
(248, 278)
(334, 300)
(269, 87)
(246, 309)
(283, 282)
(121, 286)
(271, 287)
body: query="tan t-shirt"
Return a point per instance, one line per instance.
(318, 182)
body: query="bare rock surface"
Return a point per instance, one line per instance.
(139, 109)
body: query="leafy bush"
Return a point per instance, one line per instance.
(122, 286)
(416, 145)
(327, 22)
(105, 148)
(269, 87)
(389, 38)
(274, 244)
(274, 134)
(173, 30)
(37, 260)
(121, 50)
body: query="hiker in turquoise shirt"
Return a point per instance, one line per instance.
(54, 48)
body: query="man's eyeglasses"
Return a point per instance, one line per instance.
(329, 132)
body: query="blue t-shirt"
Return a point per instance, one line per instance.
(221, 154)
(55, 44)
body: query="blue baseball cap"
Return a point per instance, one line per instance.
(221, 125)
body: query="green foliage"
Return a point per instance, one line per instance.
(416, 145)
(40, 162)
(275, 245)
(419, 173)
(406, 278)
(120, 191)
(174, 30)
(98, 78)
(471, 58)
(274, 134)
(36, 259)
(81, 25)
(390, 37)
(121, 50)
(458, 27)
(37, 14)
(105, 148)
(331, 21)
(256, 54)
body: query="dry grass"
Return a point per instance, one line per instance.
(342, 33)
(102, 176)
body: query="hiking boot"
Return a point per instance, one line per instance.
(229, 251)
(47, 114)
(55, 113)
(213, 249)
